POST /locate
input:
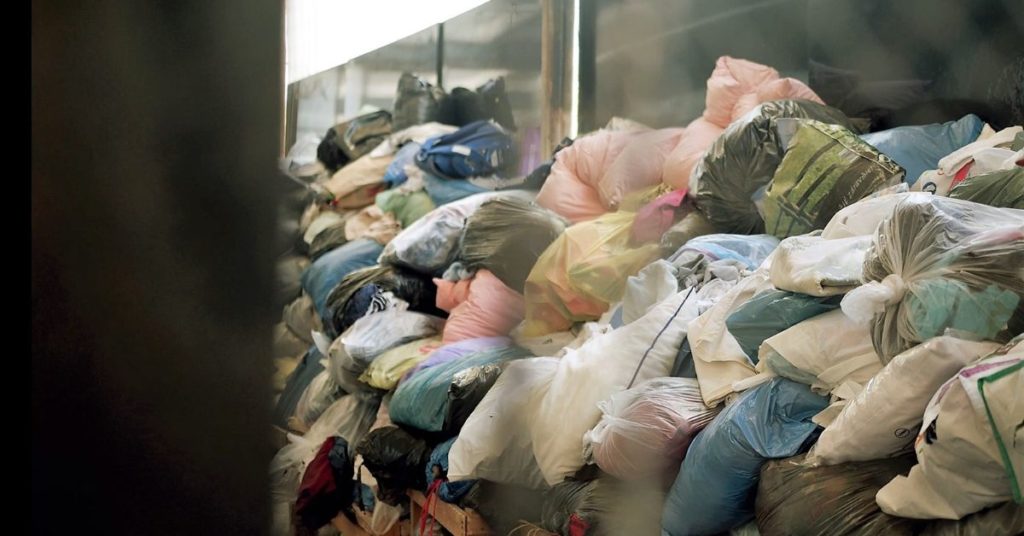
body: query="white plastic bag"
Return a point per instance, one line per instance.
(494, 444)
(376, 333)
(645, 431)
(881, 420)
(317, 397)
(970, 450)
(604, 365)
(819, 267)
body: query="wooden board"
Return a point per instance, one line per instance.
(458, 521)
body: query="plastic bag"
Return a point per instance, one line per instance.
(582, 272)
(376, 333)
(431, 244)
(289, 275)
(328, 271)
(639, 166)
(939, 263)
(862, 218)
(319, 395)
(377, 288)
(356, 185)
(396, 459)
(387, 369)
(969, 450)
(364, 133)
(990, 152)
(308, 368)
(692, 225)
(286, 343)
(490, 309)
(656, 217)
(506, 236)
(646, 289)
(1007, 518)
(494, 443)
(751, 250)
(771, 312)
(881, 420)
(578, 506)
(645, 430)
(604, 365)
(416, 102)
(449, 492)
(999, 189)
(330, 239)
(818, 267)
(825, 168)
(421, 400)
(794, 498)
(718, 479)
(743, 159)
(458, 350)
(406, 207)
(467, 389)
(919, 148)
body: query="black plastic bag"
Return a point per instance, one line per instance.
(329, 152)
(467, 389)
(365, 132)
(416, 102)
(490, 101)
(795, 499)
(506, 235)
(418, 290)
(576, 505)
(495, 104)
(396, 459)
(743, 160)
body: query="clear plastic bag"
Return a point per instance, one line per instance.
(376, 333)
(646, 430)
(939, 263)
(819, 267)
(320, 394)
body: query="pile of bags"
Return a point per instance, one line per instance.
(766, 321)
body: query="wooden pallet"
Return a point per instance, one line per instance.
(363, 523)
(458, 521)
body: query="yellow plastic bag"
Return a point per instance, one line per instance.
(387, 368)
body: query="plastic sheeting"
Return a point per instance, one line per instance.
(421, 400)
(645, 430)
(376, 333)
(919, 148)
(506, 236)
(794, 498)
(743, 160)
(939, 263)
(825, 168)
(969, 450)
(718, 479)
(881, 420)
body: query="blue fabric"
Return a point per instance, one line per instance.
(421, 400)
(478, 149)
(326, 272)
(772, 312)
(919, 148)
(395, 174)
(449, 492)
(751, 250)
(444, 191)
(717, 480)
(296, 384)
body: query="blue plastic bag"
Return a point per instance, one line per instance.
(323, 275)
(478, 149)
(421, 400)
(919, 148)
(395, 174)
(449, 492)
(717, 480)
(751, 250)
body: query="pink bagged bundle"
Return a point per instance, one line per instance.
(490, 309)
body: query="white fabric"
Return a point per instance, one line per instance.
(494, 444)
(862, 218)
(881, 420)
(603, 366)
(717, 357)
(819, 267)
(960, 468)
(830, 348)
(654, 283)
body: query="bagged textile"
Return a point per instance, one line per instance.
(295, 386)
(999, 189)
(365, 132)
(939, 263)
(506, 236)
(818, 267)
(478, 149)
(330, 239)
(656, 282)
(375, 289)
(571, 187)
(645, 431)
(286, 343)
(396, 459)
(416, 102)
(582, 272)
(324, 220)
(431, 243)
(327, 485)
(320, 279)
(881, 420)
(437, 467)
(919, 148)
(490, 309)
(387, 369)
(371, 222)
(421, 400)
(638, 167)
(494, 443)
(319, 395)
(743, 160)
(823, 352)
(356, 185)
(692, 225)
(794, 498)
(1007, 518)
(406, 207)
(862, 218)
(734, 87)
(577, 506)
(289, 275)
(604, 365)
(751, 250)
(771, 312)
(656, 217)
(458, 350)
(376, 333)
(445, 191)
(824, 169)
(504, 507)
(990, 152)
(970, 451)
(329, 152)
(467, 389)
(718, 479)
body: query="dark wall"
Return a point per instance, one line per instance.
(155, 129)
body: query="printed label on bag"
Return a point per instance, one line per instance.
(461, 149)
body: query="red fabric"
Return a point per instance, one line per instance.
(578, 526)
(317, 488)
